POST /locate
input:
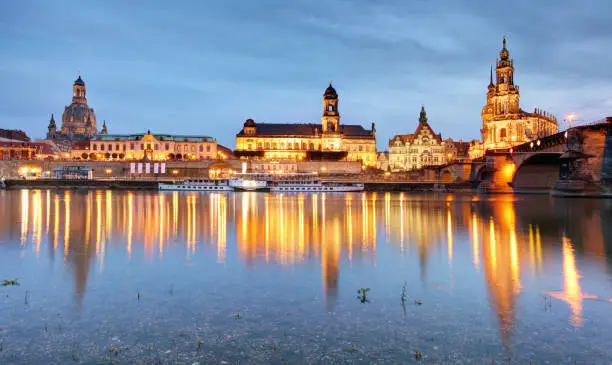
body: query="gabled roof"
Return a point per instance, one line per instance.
(411, 137)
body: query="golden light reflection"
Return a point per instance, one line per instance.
(572, 292)
(37, 219)
(334, 231)
(449, 235)
(25, 215)
(475, 242)
(66, 222)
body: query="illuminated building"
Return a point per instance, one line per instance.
(78, 119)
(422, 148)
(329, 140)
(504, 123)
(152, 147)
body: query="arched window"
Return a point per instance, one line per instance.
(312, 146)
(330, 108)
(502, 133)
(330, 127)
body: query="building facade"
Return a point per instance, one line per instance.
(422, 148)
(147, 147)
(328, 140)
(504, 123)
(78, 119)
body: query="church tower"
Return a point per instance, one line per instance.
(331, 117)
(79, 91)
(507, 93)
(104, 130)
(502, 107)
(52, 128)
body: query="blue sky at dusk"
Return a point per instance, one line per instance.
(203, 67)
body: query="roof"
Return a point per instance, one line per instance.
(410, 137)
(79, 81)
(159, 137)
(228, 152)
(305, 129)
(14, 134)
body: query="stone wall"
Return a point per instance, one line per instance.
(121, 169)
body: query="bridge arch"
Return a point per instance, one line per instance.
(537, 173)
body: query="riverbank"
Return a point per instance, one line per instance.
(405, 186)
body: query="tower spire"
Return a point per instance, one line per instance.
(491, 76)
(423, 115)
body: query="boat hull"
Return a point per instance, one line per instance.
(184, 187)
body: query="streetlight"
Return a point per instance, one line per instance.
(570, 117)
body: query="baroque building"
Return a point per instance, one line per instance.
(422, 148)
(504, 123)
(328, 140)
(78, 119)
(147, 147)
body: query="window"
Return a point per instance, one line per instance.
(142, 146)
(282, 146)
(102, 147)
(259, 146)
(131, 146)
(312, 146)
(117, 147)
(360, 148)
(167, 146)
(201, 148)
(296, 146)
(207, 148)
(156, 147)
(192, 148)
(250, 146)
(95, 147)
(303, 145)
(186, 148)
(124, 147)
(273, 146)
(502, 133)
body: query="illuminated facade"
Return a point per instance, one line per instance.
(78, 120)
(504, 123)
(147, 146)
(422, 148)
(309, 141)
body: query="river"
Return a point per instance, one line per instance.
(179, 277)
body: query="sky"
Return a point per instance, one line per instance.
(204, 67)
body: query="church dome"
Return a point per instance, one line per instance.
(79, 81)
(330, 91)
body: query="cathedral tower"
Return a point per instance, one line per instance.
(331, 117)
(504, 123)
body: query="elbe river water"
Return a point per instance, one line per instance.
(179, 277)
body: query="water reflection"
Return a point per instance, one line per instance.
(504, 240)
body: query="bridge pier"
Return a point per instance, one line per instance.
(586, 165)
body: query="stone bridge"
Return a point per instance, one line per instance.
(577, 161)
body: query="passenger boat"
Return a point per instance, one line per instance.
(198, 185)
(249, 182)
(295, 182)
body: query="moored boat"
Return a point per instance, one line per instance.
(198, 185)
